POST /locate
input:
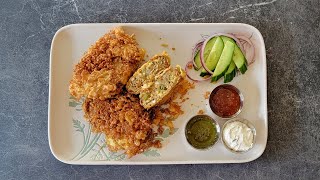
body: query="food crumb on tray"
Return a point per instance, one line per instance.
(200, 112)
(206, 95)
(189, 66)
(164, 45)
(183, 100)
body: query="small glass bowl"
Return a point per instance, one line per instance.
(216, 125)
(249, 124)
(227, 86)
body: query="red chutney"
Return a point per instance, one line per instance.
(225, 102)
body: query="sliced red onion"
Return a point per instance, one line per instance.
(190, 63)
(196, 48)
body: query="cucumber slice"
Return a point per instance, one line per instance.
(208, 47)
(214, 55)
(224, 61)
(243, 68)
(238, 57)
(240, 60)
(216, 78)
(197, 61)
(230, 73)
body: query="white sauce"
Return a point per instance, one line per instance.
(238, 136)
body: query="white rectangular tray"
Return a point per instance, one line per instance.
(70, 138)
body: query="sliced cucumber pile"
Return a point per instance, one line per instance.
(223, 57)
(224, 61)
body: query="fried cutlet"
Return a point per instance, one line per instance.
(126, 124)
(106, 67)
(163, 87)
(145, 75)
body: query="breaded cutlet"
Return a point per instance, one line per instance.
(114, 58)
(126, 124)
(145, 75)
(163, 87)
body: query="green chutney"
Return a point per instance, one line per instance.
(201, 132)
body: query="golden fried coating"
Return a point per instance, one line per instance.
(112, 59)
(126, 124)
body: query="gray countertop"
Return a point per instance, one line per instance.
(291, 30)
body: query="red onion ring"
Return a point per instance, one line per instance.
(186, 68)
(196, 48)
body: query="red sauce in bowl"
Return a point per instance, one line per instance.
(224, 101)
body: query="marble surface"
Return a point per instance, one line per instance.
(291, 29)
